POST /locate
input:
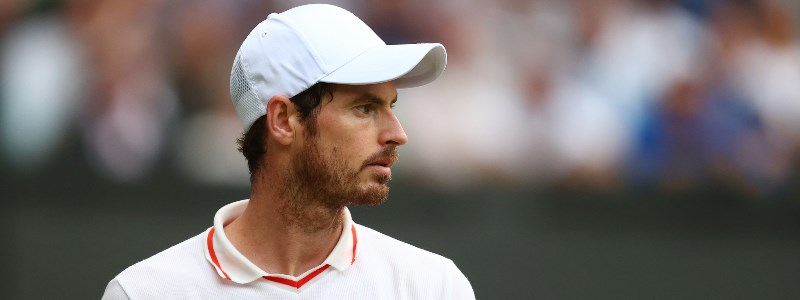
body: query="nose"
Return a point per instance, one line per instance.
(393, 133)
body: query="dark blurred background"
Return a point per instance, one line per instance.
(610, 149)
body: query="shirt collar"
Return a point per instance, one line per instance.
(232, 265)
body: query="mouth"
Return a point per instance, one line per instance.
(383, 159)
(384, 162)
(381, 169)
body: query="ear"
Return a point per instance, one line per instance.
(281, 120)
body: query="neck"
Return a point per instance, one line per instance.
(282, 233)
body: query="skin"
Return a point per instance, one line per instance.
(294, 218)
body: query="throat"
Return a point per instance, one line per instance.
(311, 219)
(286, 243)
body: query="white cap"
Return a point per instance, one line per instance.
(289, 52)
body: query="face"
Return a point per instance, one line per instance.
(348, 161)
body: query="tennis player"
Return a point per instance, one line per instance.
(314, 89)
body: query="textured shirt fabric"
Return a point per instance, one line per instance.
(364, 264)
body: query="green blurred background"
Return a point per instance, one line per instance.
(69, 232)
(613, 149)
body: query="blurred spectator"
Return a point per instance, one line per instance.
(466, 128)
(42, 87)
(131, 100)
(674, 144)
(768, 71)
(765, 67)
(205, 148)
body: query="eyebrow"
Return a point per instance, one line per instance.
(372, 98)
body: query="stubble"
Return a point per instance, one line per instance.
(321, 183)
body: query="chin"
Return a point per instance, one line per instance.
(375, 187)
(372, 193)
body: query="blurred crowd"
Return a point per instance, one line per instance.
(602, 94)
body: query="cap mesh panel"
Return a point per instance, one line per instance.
(242, 94)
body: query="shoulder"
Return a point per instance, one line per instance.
(178, 260)
(384, 246)
(179, 267)
(414, 268)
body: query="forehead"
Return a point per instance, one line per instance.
(386, 92)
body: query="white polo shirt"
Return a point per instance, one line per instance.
(364, 264)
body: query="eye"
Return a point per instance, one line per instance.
(365, 108)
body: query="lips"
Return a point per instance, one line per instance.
(383, 162)
(384, 158)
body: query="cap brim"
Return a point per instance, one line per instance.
(408, 65)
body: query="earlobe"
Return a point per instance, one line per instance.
(280, 112)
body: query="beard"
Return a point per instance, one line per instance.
(320, 185)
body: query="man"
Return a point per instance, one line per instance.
(314, 88)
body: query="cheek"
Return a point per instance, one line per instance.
(334, 134)
(336, 145)
(347, 138)
(346, 134)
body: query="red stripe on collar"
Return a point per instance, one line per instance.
(355, 242)
(214, 254)
(289, 282)
(299, 283)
